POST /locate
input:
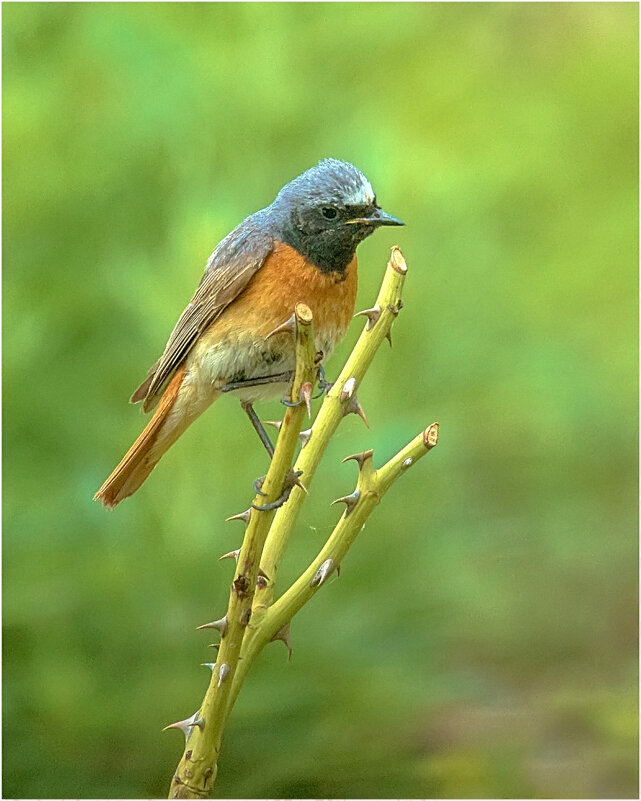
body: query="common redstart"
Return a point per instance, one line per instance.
(300, 248)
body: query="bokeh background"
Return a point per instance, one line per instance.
(481, 641)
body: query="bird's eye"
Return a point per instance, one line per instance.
(328, 212)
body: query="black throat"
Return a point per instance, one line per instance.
(330, 251)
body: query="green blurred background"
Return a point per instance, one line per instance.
(481, 641)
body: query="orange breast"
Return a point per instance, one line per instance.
(284, 280)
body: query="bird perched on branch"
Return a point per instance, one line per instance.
(300, 248)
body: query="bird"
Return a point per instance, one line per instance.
(301, 248)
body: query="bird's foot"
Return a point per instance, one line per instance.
(292, 479)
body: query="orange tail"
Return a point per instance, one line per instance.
(160, 433)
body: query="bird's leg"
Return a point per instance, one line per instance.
(258, 428)
(292, 478)
(264, 438)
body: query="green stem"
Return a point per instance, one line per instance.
(197, 769)
(371, 486)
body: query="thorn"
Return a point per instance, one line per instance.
(354, 407)
(361, 458)
(244, 516)
(348, 389)
(388, 337)
(210, 665)
(372, 316)
(305, 436)
(350, 501)
(231, 554)
(407, 463)
(275, 423)
(187, 725)
(430, 436)
(223, 673)
(306, 395)
(288, 327)
(221, 625)
(215, 645)
(284, 635)
(325, 570)
(295, 480)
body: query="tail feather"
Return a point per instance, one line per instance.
(159, 434)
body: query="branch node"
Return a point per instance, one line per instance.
(223, 673)
(348, 389)
(323, 572)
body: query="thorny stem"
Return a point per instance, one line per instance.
(253, 617)
(340, 400)
(196, 771)
(371, 486)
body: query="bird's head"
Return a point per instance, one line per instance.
(327, 211)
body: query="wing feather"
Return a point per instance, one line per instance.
(230, 268)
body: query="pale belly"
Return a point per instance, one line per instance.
(213, 366)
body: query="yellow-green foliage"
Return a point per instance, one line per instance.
(481, 639)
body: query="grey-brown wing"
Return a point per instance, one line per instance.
(230, 268)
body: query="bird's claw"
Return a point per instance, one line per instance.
(323, 385)
(292, 404)
(291, 480)
(258, 483)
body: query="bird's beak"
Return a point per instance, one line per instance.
(377, 217)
